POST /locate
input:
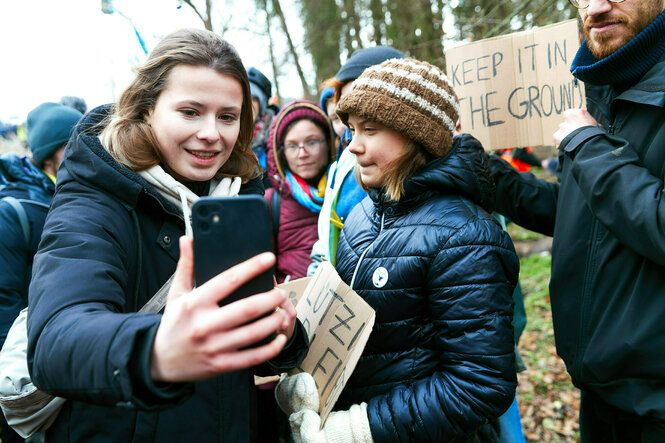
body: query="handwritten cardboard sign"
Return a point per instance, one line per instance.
(338, 323)
(514, 89)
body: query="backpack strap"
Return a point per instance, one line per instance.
(275, 202)
(22, 216)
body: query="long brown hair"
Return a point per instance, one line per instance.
(130, 139)
(399, 170)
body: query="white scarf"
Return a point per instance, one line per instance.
(181, 196)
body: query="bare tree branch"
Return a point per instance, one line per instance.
(207, 21)
(273, 61)
(278, 10)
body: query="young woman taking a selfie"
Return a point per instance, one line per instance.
(115, 235)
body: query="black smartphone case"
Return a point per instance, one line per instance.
(228, 231)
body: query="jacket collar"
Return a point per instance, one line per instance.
(463, 171)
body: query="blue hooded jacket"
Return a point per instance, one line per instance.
(20, 179)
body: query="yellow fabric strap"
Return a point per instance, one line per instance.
(52, 177)
(335, 220)
(321, 188)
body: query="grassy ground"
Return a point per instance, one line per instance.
(549, 404)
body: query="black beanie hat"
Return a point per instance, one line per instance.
(363, 59)
(260, 87)
(49, 127)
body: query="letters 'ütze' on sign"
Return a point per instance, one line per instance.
(514, 89)
(338, 323)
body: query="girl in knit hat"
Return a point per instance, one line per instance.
(343, 192)
(423, 250)
(300, 149)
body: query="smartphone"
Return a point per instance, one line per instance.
(228, 231)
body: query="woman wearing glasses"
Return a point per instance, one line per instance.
(300, 149)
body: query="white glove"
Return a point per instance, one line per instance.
(297, 392)
(350, 426)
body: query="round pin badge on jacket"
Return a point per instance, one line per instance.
(380, 277)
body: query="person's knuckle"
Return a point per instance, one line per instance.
(199, 334)
(220, 364)
(258, 334)
(233, 277)
(253, 310)
(188, 305)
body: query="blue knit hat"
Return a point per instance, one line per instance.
(363, 59)
(260, 87)
(49, 127)
(326, 95)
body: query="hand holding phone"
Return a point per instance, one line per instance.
(197, 339)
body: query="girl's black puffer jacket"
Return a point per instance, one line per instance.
(440, 272)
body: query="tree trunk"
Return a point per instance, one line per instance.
(323, 35)
(353, 22)
(348, 38)
(273, 62)
(305, 87)
(378, 19)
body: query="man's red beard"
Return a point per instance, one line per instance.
(604, 44)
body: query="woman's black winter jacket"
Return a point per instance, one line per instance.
(109, 243)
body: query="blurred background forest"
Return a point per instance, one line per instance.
(422, 29)
(296, 43)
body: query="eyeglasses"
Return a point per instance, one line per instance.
(309, 147)
(583, 4)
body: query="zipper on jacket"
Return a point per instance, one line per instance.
(586, 298)
(355, 271)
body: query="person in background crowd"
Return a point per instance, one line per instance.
(521, 159)
(182, 129)
(606, 218)
(343, 192)
(328, 106)
(425, 253)
(31, 181)
(300, 150)
(74, 102)
(263, 113)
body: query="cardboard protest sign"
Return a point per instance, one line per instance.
(295, 289)
(338, 323)
(514, 89)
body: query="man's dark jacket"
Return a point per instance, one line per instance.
(439, 363)
(109, 243)
(608, 255)
(21, 179)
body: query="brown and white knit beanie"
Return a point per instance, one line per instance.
(409, 96)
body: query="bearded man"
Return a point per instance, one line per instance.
(607, 218)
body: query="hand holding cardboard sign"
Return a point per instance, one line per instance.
(573, 119)
(350, 426)
(297, 392)
(298, 397)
